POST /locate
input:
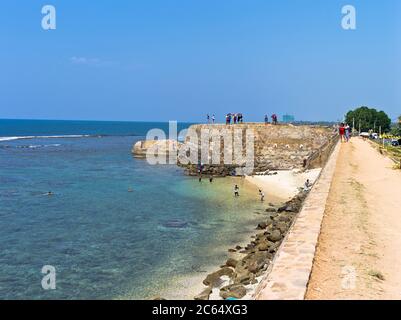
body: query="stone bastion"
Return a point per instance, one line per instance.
(271, 147)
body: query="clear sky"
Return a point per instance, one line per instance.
(162, 60)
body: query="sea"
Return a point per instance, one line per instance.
(103, 241)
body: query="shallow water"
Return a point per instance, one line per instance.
(104, 241)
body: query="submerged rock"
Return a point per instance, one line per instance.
(175, 224)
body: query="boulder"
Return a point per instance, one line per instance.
(282, 226)
(158, 147)
(261, 226)
(265, 245)
(244, 277)
(214, 279)
(237, 291)
(256, 261)
(231, 262)
(274, 236)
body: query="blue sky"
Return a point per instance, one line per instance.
(178, 60)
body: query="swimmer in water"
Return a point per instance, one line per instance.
(49, 193)
(130, 190)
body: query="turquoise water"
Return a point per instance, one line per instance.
(104, 241)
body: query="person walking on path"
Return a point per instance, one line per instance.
(341, 131)
(346, 132)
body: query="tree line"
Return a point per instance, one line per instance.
(365, 119)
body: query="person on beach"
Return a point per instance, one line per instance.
(266, 119)
(262, 195)
(208, 118)
(213, 119)
(211, 179)
(235, 118)
(236, 191)
(200, 178)
(341, 131)
(241, 118)
(307, 184)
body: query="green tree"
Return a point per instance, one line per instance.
(396, 130)
(368, 119)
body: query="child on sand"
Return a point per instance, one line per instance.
(236, 191)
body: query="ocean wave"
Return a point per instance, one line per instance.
(62, 136)
(35, 146)
(48, 137)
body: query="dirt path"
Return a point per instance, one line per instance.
(359, 250)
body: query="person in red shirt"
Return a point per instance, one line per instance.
(341, 131)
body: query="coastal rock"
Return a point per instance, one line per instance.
(233, 291)
(231, 263)
(285, 217)
(256, 261)
(282, 226)
(158, 147)
(244, 277)
(214, 279)
(261, 226)
(274, 236)
(265, 245)
(204, 295)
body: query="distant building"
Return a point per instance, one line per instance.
(287, 118)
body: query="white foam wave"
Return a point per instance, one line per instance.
(45, 137)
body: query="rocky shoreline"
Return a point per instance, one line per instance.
(247, 265)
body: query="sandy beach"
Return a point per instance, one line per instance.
(286, 183)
